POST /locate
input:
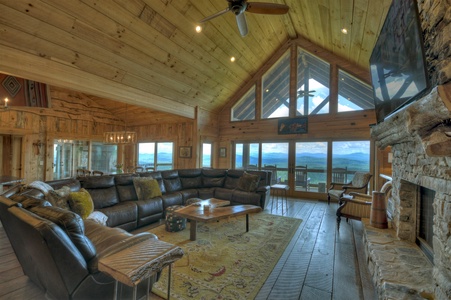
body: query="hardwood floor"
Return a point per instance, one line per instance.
(319, 263)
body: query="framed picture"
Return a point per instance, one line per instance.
(185, 151)
(223, 152)
(293, 125)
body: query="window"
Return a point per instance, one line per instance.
(349, 157)
(313, 85)
(103, 157)
(353, 94)
(156, 156)
(247, 156)
(276, 89)
(244, 109)
(206, 155)
(312, 156)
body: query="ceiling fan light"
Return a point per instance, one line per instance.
(232, 59)
(344, 30)
(198, 28)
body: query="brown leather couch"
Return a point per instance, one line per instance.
(59, 251)
(115, 195)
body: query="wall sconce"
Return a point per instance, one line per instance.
(390, 157)
(5, 106)
(38, 146)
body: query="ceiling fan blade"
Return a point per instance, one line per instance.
(219, 13)
(242, 24)
(267, 8)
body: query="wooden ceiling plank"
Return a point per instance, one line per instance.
(64, 76)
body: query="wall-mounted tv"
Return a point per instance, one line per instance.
(397, 63)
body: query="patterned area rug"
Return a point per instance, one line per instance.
(226, 262)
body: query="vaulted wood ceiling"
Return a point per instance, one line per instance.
(146, 52)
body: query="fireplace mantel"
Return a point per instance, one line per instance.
(429, 118)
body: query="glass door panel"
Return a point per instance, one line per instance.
(275, 159)
(349, 157)
(62, 160)
(310, 171)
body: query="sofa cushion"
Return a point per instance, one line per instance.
(81, 203)
(123, 214)
(72, 224)
(172, 181)
(232, 179)
(125, 188)
(146, 188)
(60, 197)
(191, 178)
(248, 182)
(213, 177)
(102, 189)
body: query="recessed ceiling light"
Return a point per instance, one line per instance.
(344, 31)
(198, 28)
(232, 59)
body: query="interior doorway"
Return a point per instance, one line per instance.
(11, 154)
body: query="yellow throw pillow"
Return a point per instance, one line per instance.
(248, 182)
(81, 203)
(146, 188)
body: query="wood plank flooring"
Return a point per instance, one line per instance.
(319, 263)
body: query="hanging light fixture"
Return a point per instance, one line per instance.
(120, 137)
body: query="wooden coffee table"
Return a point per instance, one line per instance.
(196, 213)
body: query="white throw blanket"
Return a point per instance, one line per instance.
(40, 185)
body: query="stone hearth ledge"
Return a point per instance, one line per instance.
(399, 268)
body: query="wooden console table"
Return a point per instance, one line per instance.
(139, 262)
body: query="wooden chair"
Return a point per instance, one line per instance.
(358, 206)
(83, 172)
(150, 169)
(358, 184)
(138, 169)
(301, 177)
(97, 172)
(340, 175)
(252, 168)
(273, 169)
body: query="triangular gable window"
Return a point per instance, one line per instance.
(244, 109)
(276, 89)
(313, 91)
(353, 94)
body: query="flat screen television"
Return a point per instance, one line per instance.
(398, 66)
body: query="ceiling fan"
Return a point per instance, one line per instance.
(238, 7)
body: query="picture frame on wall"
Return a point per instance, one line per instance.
(185, 152)
(296, 125)
(223, 152)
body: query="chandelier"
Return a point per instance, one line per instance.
(120, 137)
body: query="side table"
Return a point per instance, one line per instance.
(280, 190)
(139, 262)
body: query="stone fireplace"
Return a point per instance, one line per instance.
(420, 137)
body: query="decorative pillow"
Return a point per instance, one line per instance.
(248, 182)
(59, 197)
(98, 217)
(81, 203)
(146, 188)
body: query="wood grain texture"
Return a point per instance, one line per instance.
(147, 53)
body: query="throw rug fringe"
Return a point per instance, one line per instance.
(226, 262)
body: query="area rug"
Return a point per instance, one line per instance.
(226, 262)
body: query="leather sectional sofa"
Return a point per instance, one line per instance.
(59, 251)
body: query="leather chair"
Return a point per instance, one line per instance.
(358, 206)
(359, 184)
